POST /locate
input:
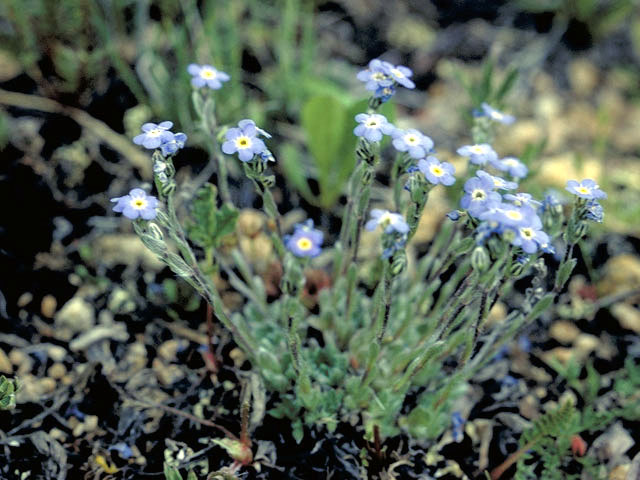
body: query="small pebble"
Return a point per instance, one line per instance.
(21, 360)
(57, 371)
(48, 306)
(5, 363)
(90, 423)
(24, 299)
(56, 353)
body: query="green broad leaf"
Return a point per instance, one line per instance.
(225, 219)
(296, 171)
(506, 86)
(564, 272)
(171, 473)
(326, 122)
(297, 430)
(202, 229)
(192, 475)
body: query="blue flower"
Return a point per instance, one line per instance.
(454, 215)
(153, 135)
(531, 237)
(478, 154)
(509, 215)
(522, 199)
(512, 165)
(478, 195)
(385, 93)
(499, 183)
(594, 211)
(401, 75)
(391, 222)
(412, 141)
(372, 126)
(305, 241)
(206, 75)
(457, 427)
(136, 205)
(587, 189)
(267, 156)
(376, 75)
(436, 171)
(497, 115)
(244, 140)
(172, 146)
(246, 123)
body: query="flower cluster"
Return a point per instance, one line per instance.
(382, 77)
(395, 230)
(589, 192)
(159, 136)
(244, 140)
(306, 241)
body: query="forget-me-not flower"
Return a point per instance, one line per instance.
(391, 222)
(436, 171)
(478, 154)
(512, 166)
(372, 126)
(206, 75)
(244, 141)
(413, 142)
(531, 237)
(376, 75)
(594, 211)
(522, 199)
(497, 115)
(136, 205)
(587, 189)
(305, 241)
(172, 146)
(509, 215)
(401, 75)
(478, 195)
(499, 183)
(153, 135)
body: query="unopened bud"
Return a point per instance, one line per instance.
(480, 259)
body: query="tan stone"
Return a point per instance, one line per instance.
(621, 274)
(57, 371)
(627, 315)
(564, 331)
(583, 77)
(250, 222)
(48, 306)
(555, 171)
(5, 363)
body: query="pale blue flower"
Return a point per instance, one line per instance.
(587, 189)
(153, 135)
(497, 115)
(478, 154)
(436, 171)
(244, 141)
(413, 142)
(401, 75)
(511, 165)
(499, 183)
(172, 146)
(305, 241)
(478, 195)
(522, 199)
(509, 215)
(530, 237)
(136, 205)
(372, 126)
(391, 222)
(206, 75)
(594, 211)
(376, 75)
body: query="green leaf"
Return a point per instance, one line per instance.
(171, 473)
(202, 229)
(296, 171)
(506, 85)
(539, 308)
(225, 219)
(564, 272)
(297, 430)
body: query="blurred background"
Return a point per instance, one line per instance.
(79, 77)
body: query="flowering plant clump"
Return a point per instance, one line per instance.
(402, 334)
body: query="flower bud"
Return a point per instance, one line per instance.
(480, 259)
(399, 263)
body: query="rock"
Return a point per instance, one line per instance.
(5, 363)
(627, 315)
(116, 332)
(583, 77)
(121, 301)
(250, 222)
(620, 473)
(555, 170)
(585, 344)
(125, 249)
(166, 374)
(432, 217)
(564, 331)
(57, 371)
(48, 306)
(561, 354)
(167, 351)
(621, 274)
(56, 353)
(24, 299)
(528, 407)
(77, 315)
(90, 423)
(258, 250)
(21, 360)
(612, 444)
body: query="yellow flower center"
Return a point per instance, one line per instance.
(243, 142)
(372, 123)
(478, 194)
(208, 74)
(477, 149)
(411, 139)
(511, 162)
(304, 243)
(138, 203)
(397, 73)
(513, 214)
(584, 190)
(154, 133)
(437, 171)
(378, 76)
(527, 232)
